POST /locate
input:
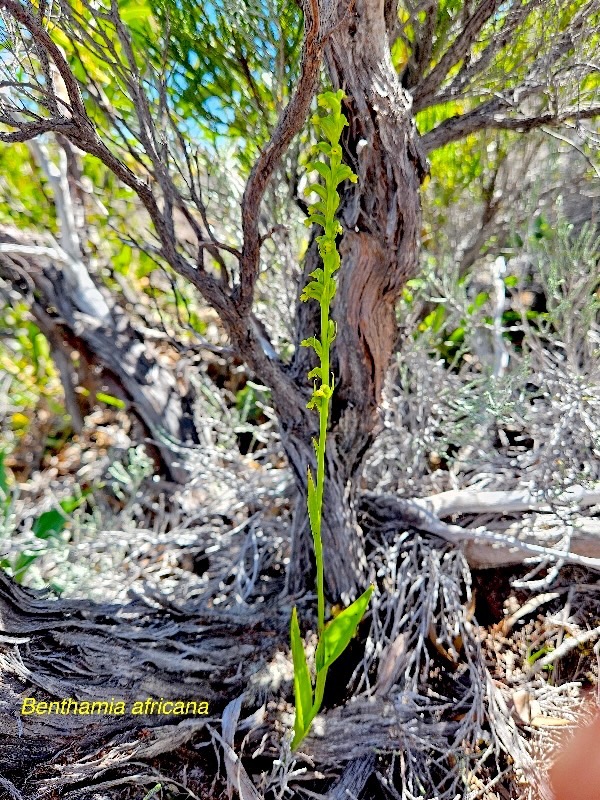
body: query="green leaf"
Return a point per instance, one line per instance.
(110, 400)
(22, 563)
(315, 219)
(332, 100)
(331, 331)
(343, 173)
(318, 166)
(317, 275)
(48, 524)
(332, 127)
(330, 289)
(479, 301)
(69, 504)
(457, 335)
(337, 634)
(324, 147)
(317, 209)
(154, 791)
(317, 188)
(52, 522)
(302, 685)
(315, 373)
(4, 490)
(312, 290)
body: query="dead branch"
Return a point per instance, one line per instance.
(482, 547)
(466, 501)
(427, 87)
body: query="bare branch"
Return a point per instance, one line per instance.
(290, 123)
(426, 89)
(423, 47)
(493, 115)
(467, 501)
(22, 15)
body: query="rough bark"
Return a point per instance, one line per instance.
(381, 217)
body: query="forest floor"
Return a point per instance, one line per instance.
(460, 685)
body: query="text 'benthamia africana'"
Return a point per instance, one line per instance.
(114, 707)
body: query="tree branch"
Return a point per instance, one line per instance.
(22, 15)
(290, 123)
(447, 504)
(426, 89)
(489, 116)
(484, 547)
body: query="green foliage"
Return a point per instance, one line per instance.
(234, 66)
(251, 402)
(302, 684)
(534, 655)
(46, 527)
(153, 792)
(4, 491)
(334, 636)
(116, 402)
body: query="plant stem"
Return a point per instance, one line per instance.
(323, 422)
(309, 696)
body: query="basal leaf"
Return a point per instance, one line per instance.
(302, 685)
(338, 633)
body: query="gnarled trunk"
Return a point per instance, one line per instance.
(381, 218)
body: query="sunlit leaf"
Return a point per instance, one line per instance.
(337, 634)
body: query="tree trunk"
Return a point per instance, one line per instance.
(381, 218)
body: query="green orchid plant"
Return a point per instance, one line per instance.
(335, 635)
